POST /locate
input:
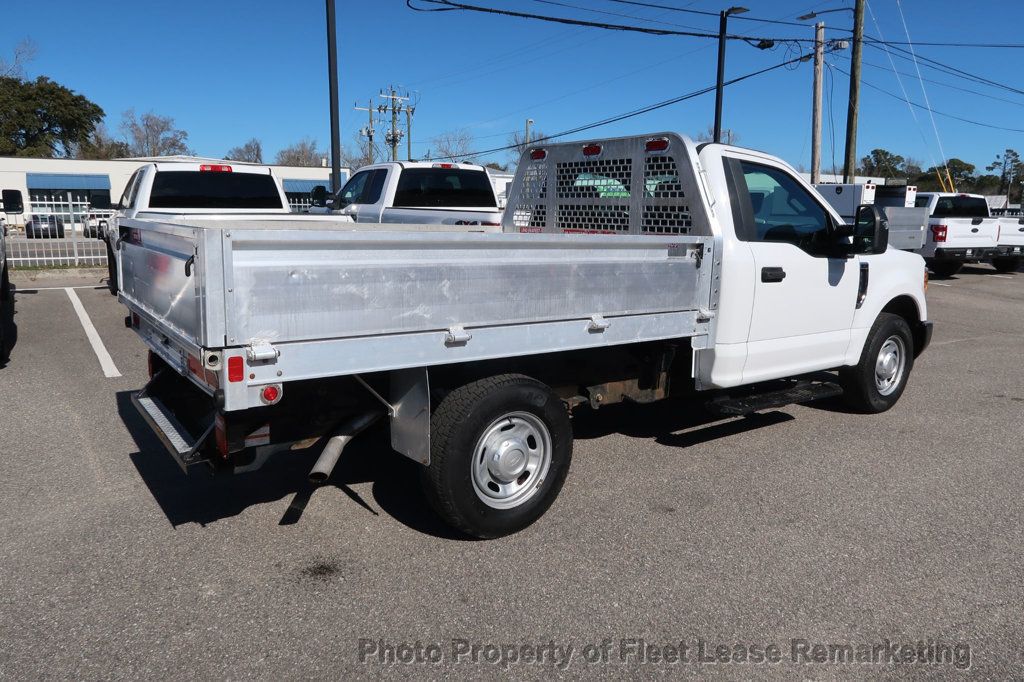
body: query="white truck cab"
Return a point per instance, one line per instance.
(418, 192)
(960, 230)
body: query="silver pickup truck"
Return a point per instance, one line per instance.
(626, 269)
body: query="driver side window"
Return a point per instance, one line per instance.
(781, 210)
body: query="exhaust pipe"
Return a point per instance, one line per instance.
(332, 451)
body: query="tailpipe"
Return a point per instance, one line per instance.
(332, 451)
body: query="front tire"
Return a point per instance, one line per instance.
(499, 453)
(1010, 264)
(111, 271)
(945, 269)
(877, 381)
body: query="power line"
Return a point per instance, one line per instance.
(643, 110)
(936, 111)
(708, 13)
(450, 5)
(941, 67)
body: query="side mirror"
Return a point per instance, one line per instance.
(870, 230)
(13, 203)
(319, 195)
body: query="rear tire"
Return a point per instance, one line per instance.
(1010, 264)
(877, 381)
(499, 453)
(945, 269)
(111, 271)
(6, 310)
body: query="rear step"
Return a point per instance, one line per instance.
(802, 392)
(175, 437)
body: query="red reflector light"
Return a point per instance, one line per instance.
(215, 168)
(538, 154)
(236, 368)
(658, 144)
(444, 165)
(136, 320)
(939, 233)
(271, 394)
(591, 150)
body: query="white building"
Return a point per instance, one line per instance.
(50, 184)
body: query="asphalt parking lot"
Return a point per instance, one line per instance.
(807, 524)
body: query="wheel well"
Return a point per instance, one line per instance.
(906, 307)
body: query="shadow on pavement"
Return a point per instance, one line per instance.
(203, 498)
(9, 337)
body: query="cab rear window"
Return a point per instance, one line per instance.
(204, 189)
(444, 188)
(961, 207)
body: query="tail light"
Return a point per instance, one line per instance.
(538, 154)
(215, 168)
(939, 233)
(591, 150)
(271, 395)
(657, 144)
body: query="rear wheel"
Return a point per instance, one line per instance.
(111, 271)
(876, 382)
(945, 268)
(499, 453)
(1010, 264)
(6, 310)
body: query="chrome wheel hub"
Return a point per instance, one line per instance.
(890, 365)
(511, 460)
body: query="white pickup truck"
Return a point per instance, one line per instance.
(960, 230)
(171, 189)
(634, 268)
(417, 192)
(1010, 251)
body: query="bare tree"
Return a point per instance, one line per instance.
(454, 145)
(101, 145)
(24, 52)
(729, 136)
(302, 153)
(517, 140)
(153, 135)
(363, 156)
(251, 151)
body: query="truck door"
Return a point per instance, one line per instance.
(361, 195)
(804, 294)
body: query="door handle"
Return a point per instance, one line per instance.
(772, 274)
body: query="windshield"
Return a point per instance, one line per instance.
(209, 189)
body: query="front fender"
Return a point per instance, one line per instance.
(895, 276)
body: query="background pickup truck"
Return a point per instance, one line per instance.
(418, 193)
(1010, 250)
(960, 230)
(634, 268)
(166, 190)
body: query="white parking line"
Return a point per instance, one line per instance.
(938, 284)
(1003, 276)
(28, 289)
(106, 362)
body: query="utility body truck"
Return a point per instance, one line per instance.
(635, 268)
(960, 230)
(416, 192)
(13, 204)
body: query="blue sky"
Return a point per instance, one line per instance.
(228, 70)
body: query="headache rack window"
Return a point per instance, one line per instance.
(623, 189)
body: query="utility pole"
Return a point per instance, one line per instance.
(819, 57)
(850, 162)
(395, 105)
(409, 111)
(332, 75)
(368, 131)
(526, 139)
(723, 19)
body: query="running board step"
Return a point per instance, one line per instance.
(175, 437)
(803, 392)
